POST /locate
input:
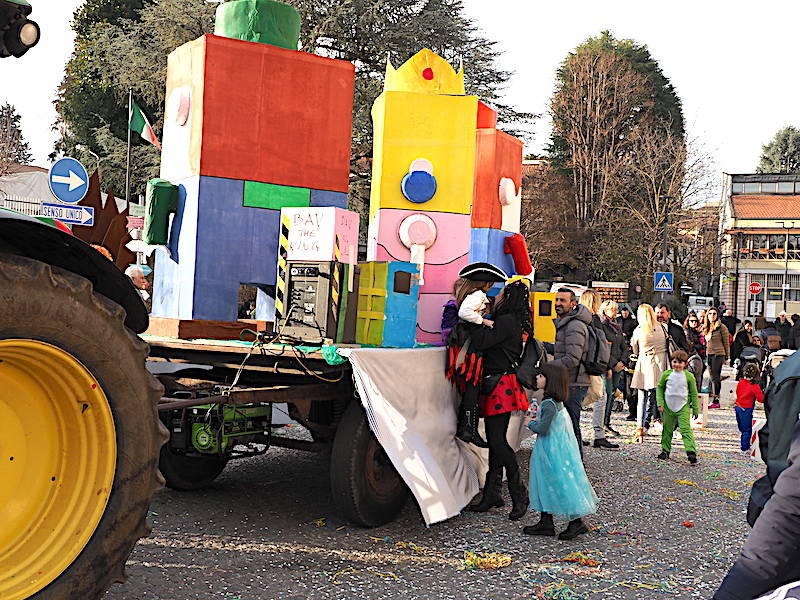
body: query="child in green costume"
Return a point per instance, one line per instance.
(676, 394)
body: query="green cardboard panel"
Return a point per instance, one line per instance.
(263, 21)
(275, 197)
(161, 200)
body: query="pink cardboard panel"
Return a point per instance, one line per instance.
(313, 231)
(439, 279)
(452, 239)
(429, 317)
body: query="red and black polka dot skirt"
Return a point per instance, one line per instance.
(506, 397)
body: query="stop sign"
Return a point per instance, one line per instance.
(755, 288)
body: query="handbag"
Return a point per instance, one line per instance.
(671, 345)
(597, 390)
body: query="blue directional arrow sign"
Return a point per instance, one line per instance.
(75, 215)
(69, 180)
(662, 282)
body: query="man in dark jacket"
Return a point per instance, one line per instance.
(615, 366)
(676, 332)
(771, 555)
(731, 322)
(626, 322)
(572, 337)
(784, 327)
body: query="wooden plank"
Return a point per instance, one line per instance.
(186, 329)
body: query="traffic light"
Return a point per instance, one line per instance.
(18, 33)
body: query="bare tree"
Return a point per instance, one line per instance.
(669, 178)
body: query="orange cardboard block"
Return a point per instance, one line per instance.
(256, 112)
(498, 155)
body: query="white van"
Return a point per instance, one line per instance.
(698, 303)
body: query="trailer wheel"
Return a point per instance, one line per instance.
(367, 489)
(186, 473)
(79, 435)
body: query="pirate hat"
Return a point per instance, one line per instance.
(481, 271)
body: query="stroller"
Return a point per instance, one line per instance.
(755, 355)
(772, 362)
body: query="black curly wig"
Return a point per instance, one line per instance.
(516, 301)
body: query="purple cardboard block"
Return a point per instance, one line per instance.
(488, 245)
(216, 245)
(326, 198)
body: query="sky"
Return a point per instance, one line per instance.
(732, 63)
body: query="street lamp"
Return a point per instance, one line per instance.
(82, 148)
(788, 228)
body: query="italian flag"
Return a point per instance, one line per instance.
(138, 122)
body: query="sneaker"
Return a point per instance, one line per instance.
(604, 443)
(664, 455)
(585, 442)
(612, 431)
(715, 405)
(692, 457)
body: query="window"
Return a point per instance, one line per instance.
(797, 187)
(752, 188)
(738, 188)
(769, 188)
(794, 246)
(776, 245)
(545, 308)
(402, 282)
(785, 187)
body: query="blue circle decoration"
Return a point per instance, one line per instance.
(69, 180)
(418, 186)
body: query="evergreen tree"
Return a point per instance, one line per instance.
(782, 153)
(13, 147)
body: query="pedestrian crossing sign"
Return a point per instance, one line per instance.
(663, 282)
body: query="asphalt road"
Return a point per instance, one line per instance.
(266, 529)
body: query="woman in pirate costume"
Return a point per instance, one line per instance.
(482, 362)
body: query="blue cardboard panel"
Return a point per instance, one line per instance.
(401, 309)
(487, 245)
(173, 280)
(327, 198)
(235, 245)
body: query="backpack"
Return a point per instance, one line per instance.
(533, 356)
(598, 351)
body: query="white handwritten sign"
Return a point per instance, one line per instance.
(313, 233)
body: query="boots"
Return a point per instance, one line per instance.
(467, 429)
(519, 497)
(491, 492)
(543, 527)
(573, 530)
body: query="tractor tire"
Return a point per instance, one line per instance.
(187, 473)
(76, 402)
(367, 490)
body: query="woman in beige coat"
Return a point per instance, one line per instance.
(649, 343)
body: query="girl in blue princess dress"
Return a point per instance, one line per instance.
(557, 484)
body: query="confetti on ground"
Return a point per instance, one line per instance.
(319, 522)
(411, 546)
(579, 558)
(731, 495)
(714, 475)
(688, 524)
(335, 578)
(484, 560)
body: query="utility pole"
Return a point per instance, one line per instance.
(785, 290)
(665, 240)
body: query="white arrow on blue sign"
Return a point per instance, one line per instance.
(75, 215)
(69, 180)
(662, 281)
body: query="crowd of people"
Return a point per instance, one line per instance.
(600, 350)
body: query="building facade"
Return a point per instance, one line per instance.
(760, 244)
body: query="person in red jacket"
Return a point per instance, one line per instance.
(747, 393)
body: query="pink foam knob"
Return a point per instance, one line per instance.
(418, 230)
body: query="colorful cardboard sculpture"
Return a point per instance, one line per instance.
(445, 182)
(250, 127)
(387, 304)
